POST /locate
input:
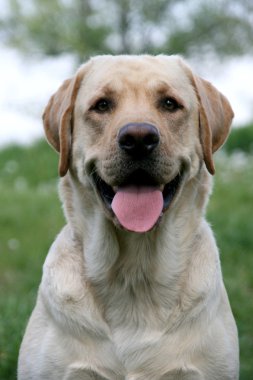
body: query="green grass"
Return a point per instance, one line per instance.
(230, 213)
(31, 216)
(240, 139)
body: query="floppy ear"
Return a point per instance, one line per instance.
(215, 117)
(58, 119)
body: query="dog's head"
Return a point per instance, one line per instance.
(138, 128)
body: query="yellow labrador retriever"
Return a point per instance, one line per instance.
(132, 286)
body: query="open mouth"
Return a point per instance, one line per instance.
(139, 202)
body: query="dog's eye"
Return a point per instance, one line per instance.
(102, 105)
(170, 104)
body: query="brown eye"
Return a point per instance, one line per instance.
(102, 106)
(170, 104)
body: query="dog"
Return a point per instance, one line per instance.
(132, 286)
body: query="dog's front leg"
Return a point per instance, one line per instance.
(82, 374)
(183, 374)
(180, 374)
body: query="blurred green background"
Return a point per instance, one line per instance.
(30, 212)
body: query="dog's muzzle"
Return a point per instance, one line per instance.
(139, 200)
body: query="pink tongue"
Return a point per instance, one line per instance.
(138, 208)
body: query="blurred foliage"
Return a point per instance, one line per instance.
(223, 27)
(240, 139)
(53, 27)
(86, 27)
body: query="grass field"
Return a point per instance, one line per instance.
(31, 216)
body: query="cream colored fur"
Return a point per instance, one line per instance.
(120, 305)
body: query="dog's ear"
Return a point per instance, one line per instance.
(58, 119)
(215, 117)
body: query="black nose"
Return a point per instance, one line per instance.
(138, 139)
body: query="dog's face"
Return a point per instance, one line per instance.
(137, 128)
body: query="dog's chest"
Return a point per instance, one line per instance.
(133, 345)
(138, 317)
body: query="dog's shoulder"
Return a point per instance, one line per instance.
(64, 289)
(63, 268)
